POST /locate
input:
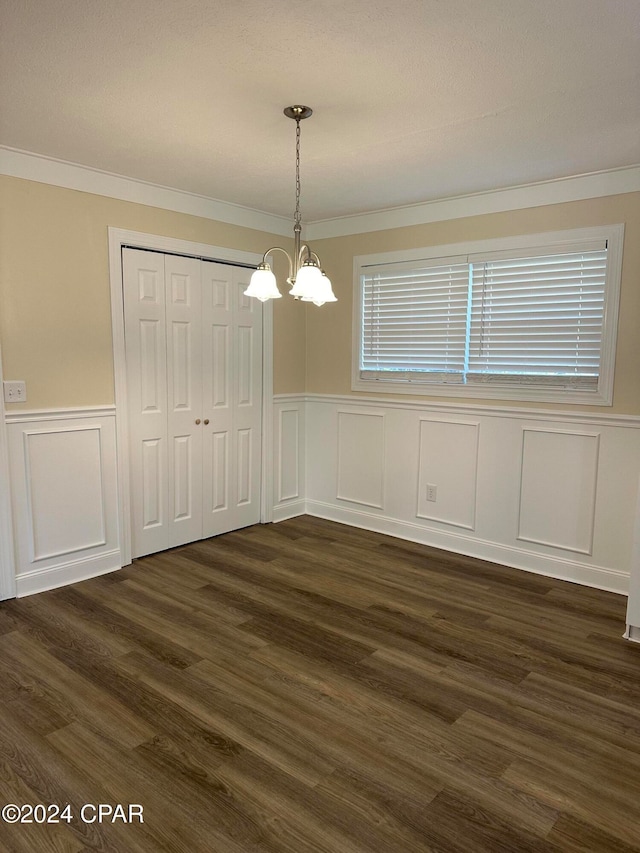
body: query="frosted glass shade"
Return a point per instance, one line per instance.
(263, 284)
(308, 281)
(323, 292)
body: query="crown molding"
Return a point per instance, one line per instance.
(557, 191)
(61, 173)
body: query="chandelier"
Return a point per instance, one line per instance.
(308, 280)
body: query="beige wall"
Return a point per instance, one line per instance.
(55, 315)
(55, 318)
(329, 328)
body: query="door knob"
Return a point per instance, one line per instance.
(206, 421)
(197, 420)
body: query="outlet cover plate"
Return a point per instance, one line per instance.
(15, 391)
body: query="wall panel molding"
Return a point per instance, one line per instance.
(289, 462)
(448, 459)
(64, 498)
(63, 522)
(289, 453)
(361, 453)
(558, 488)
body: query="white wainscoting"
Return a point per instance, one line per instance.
(552, 492)
(549, 492)
(64, 496)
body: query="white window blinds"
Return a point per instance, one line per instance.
(414, 322)
(528, 318)
(539, 317)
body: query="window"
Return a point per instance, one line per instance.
(532, 317)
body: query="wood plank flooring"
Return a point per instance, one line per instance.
(307, 687)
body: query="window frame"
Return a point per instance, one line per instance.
(554, 242)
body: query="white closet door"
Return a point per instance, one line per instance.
(232, 399)
(194, 379)
(146, 356)
(184, 394)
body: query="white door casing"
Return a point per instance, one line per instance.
(262, 439)
(7, 553)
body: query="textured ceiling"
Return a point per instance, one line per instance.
(413, 99)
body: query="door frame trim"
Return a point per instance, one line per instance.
(118, 238)
(7, 544)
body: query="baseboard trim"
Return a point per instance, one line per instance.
(517, 558)
(632, 633)
(289, 510)
(41, 580)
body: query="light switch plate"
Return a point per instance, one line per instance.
(15, 391)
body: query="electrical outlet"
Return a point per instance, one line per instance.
(15, 392)
(432, 492)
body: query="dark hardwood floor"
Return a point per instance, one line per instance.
(310, 687)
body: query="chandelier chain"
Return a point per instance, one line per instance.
(297, 213)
